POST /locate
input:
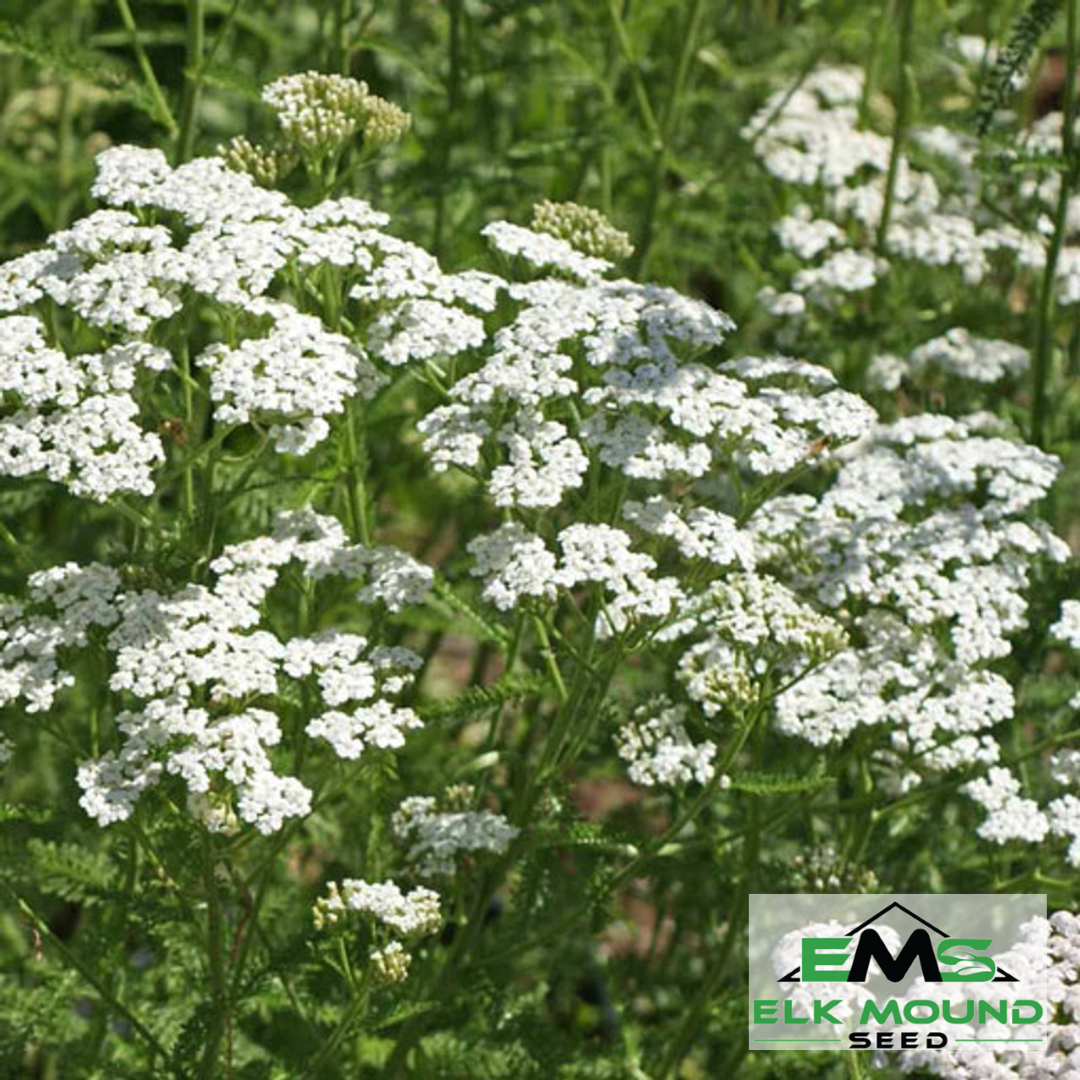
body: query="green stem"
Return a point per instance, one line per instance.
(641, 95)
(851, 1062)
(193, 76)
(549, 657)
(110, 999)
(873, 63)
(215, 948)
(189, 428)
(442, 167)
(356, 487)
(691, 1024)
(64, 164)
(164, 112)
(668, 125)
(1040, 368)
(340, 44)
(900, 122)
(352, 1014)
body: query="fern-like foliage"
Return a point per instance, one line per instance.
(480, 699)
(762, 783)
(1027, 32)
(77, 62)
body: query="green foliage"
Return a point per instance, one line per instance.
(1015, 57)
(478, 700)
(768, 784)
(127, 951)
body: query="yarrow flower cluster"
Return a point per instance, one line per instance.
(190, 662)
(668, 547)
(1010, 815)
(931, 582)
(410, 914)
(1046, 953)
(879, 602)
(582, 228)
(659, 751)
(437, 838)
(863, 216)
(955, 355)
(319, 113)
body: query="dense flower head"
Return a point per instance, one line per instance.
(879, 597)
(189, 662)
(583, 228)
(658, 749)
(436, 838)
(814, 138)
(410, 914)
(1046, 953)
(316, 111)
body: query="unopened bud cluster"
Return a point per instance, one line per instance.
(266, 167)
(319, 113)
(823, 869)
(391, 963)
(583, 228)
(384, 122)
(316, 111)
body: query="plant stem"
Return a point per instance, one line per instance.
(668, 124)
(1040, 368)
(549, 658)
(64, 167)
(900, 122)
(648, 117)
(352, 1014)
(193, 76)
(356, 487)
(340, 44)
(164, 112)
(453, 104)
(215, 949)
(189, 428)
(43, 928)
(873, 63)
(692, 1021)
(851, 1061)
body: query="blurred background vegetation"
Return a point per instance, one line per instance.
(633, 106)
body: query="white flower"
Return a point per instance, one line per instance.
(964, 356)
(699, 533)
(298, 371)
(379, 724)
(422, 330)
(1009, 817)
(1067, 628)
(542, 250)
(659, 751)
(411, 914)
(515, 565)
(804, 235)
(207, 644)
(436, 839)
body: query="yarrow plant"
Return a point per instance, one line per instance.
(444, 649)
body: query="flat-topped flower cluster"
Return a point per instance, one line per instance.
(763, 550)
(878, 596)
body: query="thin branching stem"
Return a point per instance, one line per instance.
(900, 121)
(193, 78)
(1044, 320)
(157, 1050)
(165, 115)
